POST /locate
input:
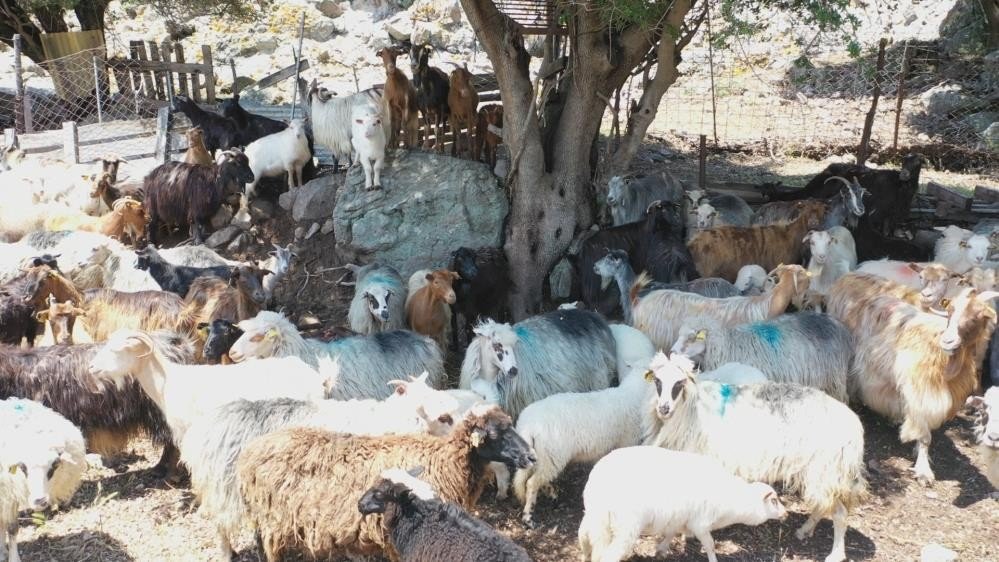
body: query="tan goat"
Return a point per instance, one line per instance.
(429, 308)
(462, 101)
(196, 151)
(401, 97)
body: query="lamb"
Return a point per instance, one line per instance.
(482, 288)
(428, 308)
(185, 392)
(369, 141)
(196, 152)
(987, 431)
(628, 199)
(512, 365)
(431, 85)
(277, 265)
(660, 314)
(918, 368)
(720, 252)
(286, 151)
(379, 302)
(750, 280)
(355, 367)
(805, 348)
(834, 254)
(287, 513)
(214, 442)
(415, 519)
(331, 118)
(189, 194)
(219, 335)
(462, 101)
(699, 496)
(766, 432)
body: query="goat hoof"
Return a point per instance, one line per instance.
(529, 523)
(803, 534)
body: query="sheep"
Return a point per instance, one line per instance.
(699, 496)
(431, 84)
(488, 133)
(415, 519)
(331, 118)
(577, 427)
(379, 302)
(195, 256)
(196, 152)
(805, 348)
(482, 288)
(218, 131)
(660, 314)
(189, 194)
(61, 318)
(401, 98)
(287, 513)
(833, 255)
(918, 368)
(513, 365)
(720, 252)
(428, 308)
(960, 250)
(462, 101)
(614, 267)
(219, 335)
(13, 497)
(369, 141)
(733, 373)
(719, 209)
(628, 199)
(185, 392)
(176, 279)
(235, 300)
(356, 366)
(987, 431)
(772, 428)
(286, 151)
(750, 280)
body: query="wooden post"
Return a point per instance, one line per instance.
(10, 137)
(702, 163)
(900, 94)
(97, 92)
(232, 67)
(163, 120)
(166, 51)
(154, 56)
(863, 151)
(70, 142)
(19, 100)
(121, 76)
(138, 50)
(298, 65)
(178, 53)
(206, 53)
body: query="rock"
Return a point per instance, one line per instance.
(990, 136)
(287, 199)
(321, 30)
(982, 120)
(329, 8)
(312, 230)
(223, 236)
(963, 30)
(560, 280)
(943, 99)
(399, 26)
(414, 223)
(327, 227)
(315, 199)
(934, 552)
(261, 209)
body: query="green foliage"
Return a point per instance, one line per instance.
(747, 18)
(624, 13)
(31, 5)
(179, 11)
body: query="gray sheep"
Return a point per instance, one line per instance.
(379, 303)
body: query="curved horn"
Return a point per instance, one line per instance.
(839, 178)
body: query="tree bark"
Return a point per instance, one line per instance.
(991, 8)
(91, 14)
(51, 19)
(15, 21)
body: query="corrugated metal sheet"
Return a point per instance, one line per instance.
(535, 16)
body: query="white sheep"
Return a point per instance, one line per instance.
(766, 432)
(834, 254)
(47, 455)
(987, 432)
(734, 373)
(185, 392)
(369, 141)
(751, 280)
(638, 491)
(632, 348)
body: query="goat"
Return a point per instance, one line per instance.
(401, 97)
(332, 117)
(482, 286)
(379, 302)
(629, 199)
(462, 101)
(751, 280)
(20, 299)
(488, 133)
(987, 431)
(250, 126)
(196, 152)
(429, 307)
(238, 298)
(219, 133)
(842, 208)
(189, 194)
(278, 265)
(833, 255)
(176, 279)
(127, 218)
(721, 209)
(286, 151)
(368, 139)
(431, 84)
(108, 310)
(219, 335)
(61, 318)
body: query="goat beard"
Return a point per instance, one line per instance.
(604, 283)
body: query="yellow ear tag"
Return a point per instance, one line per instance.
(272, 334)
(13, 469)
(945, 303)
(649, 376)
(701, 336)
(476, 439)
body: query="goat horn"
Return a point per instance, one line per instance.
(839, 178)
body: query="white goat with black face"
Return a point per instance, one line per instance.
(379, 303)
(987, 431)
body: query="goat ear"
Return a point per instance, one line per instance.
(454, 275)
(701, 335)
(42, 316)
(430, 277)
(915, 266)
(808, 237)
(976, 402)
(963, 244)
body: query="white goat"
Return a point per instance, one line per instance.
(834, 254)
(278, 265)
(285, 151)
(369, 141)
(960, 250)
(751, 280)
(766, 432)
(13, 498)
(628, 494)
(987, 432)
(332, 118)
(185, 392)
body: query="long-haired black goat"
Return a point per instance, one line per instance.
(176, 279)
(482, 288)
(432, 86)
(180, 194)
(220, 132)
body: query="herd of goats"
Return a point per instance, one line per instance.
(736, 330)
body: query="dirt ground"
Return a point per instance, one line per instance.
(131, 516)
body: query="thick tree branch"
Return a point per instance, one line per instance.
(15, 21)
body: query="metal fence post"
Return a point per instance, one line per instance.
(19, 122)
(97, 91)
(298, 63)
(163, 119)
(71, 142)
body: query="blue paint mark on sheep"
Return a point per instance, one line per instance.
(767, 332)
(726, 391)
(523, 333)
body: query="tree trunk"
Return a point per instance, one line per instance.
(91, 14)
(991, 8)
(50, 18)
(15, 21)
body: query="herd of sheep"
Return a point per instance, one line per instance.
(741, 329)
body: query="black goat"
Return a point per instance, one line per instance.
(482, 289)
(176, 279)
(17, 306)
(654, 244)
(422, 528)
(180, 194)
(219, 335)
(432, 85)
(891, 191)
(220, 132)
(872, 245)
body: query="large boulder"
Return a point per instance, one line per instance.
(315, 199)
(429, 206)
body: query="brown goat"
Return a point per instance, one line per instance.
(486, 140)
(401, 97)
(127, 217)
(429, 310)
(721, 251)
(196, 151)
(211, 298)
(61, 318)
(109, 310)
(462, 101)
